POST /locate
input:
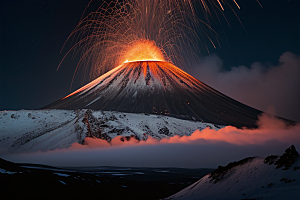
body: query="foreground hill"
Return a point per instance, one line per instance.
(251, 178)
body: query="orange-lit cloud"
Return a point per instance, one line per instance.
(206, 148)
(270, 128)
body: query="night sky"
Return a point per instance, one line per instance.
(33, 33)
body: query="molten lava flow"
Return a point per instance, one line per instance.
(142, 50)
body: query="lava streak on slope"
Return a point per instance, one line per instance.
(158, 87)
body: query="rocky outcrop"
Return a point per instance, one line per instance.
(270, 159)
(287, 158)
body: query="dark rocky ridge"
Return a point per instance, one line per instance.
(285, 160)
(157, 87)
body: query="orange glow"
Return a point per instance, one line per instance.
(82, 88)
(270, 129)
(142, 50)
(123, 31)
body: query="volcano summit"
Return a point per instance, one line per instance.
(158, 87)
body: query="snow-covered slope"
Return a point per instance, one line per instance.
(42, 130)
(250, 178)
(158, 87)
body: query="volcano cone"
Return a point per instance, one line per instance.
(157, 87)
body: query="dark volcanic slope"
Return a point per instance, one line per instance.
(160, 88)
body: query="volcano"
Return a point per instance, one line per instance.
(158, 87)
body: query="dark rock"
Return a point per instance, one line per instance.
(296, 168)
(106, 137)
(137, 138)
(128, 138)
(164, 131)
(270, 159)
(287, 180)
(270, 185)
(288, 158)
(283, 179)
(113, 118)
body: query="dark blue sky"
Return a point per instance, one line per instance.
(34, 31)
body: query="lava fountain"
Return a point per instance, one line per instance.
(109, 29)
(143, 50)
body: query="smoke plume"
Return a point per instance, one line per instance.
(274, 89)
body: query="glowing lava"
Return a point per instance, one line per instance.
(142, 50)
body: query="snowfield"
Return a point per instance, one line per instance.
(43, 130)
(253, 179)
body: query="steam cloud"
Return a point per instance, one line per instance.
(274, 89)
(206, 148)
(270, 128)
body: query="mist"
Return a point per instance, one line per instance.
(274, 89)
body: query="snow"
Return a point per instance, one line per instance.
(51, 169)
(120, 174)
(28, 130)
(62, 182)
(252, 180)
(96, 99)
(140, 173)
(60, 174)
(44, 130)
(3, 171)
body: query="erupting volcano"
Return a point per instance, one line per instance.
(158, 87)
(142, 38)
